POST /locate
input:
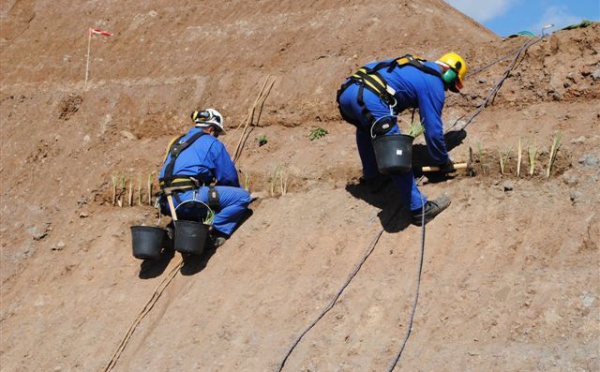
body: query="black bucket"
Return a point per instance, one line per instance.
(147, 241)
(190, 237)
(393, 153)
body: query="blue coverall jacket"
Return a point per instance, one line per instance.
(414, 89)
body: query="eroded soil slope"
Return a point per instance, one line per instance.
(510, 276)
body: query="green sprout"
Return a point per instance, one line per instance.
(531, 150)
(262, 140)
(317, 133)
(415, 129)
(209, 218)
(553, 152)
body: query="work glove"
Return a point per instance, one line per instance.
(447, 167)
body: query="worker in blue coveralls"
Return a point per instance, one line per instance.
(372, 98)
(198, 169)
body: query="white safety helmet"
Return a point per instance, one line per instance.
(208, 117)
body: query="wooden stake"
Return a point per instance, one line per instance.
(519, 156)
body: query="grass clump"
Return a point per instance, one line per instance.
(317, 133)
(415, 129)
(532, 153)
(262, 140)
(209, 218)
(553, 152)
(278, 181)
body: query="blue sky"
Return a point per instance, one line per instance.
(506, 17)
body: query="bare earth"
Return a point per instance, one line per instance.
(510, 277)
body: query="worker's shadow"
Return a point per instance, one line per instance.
(193, 264)
(421, 157)
(394, 216)
(151, 268)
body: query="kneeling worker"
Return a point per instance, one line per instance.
(196, 161)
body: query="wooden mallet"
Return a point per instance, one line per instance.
(468, 166)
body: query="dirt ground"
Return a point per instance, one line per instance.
(510, 278)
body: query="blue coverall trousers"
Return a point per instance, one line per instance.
(191, 205)
(351, 109)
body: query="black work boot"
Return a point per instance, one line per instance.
(217, 238)
(432, 209)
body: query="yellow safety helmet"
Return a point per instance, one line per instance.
(457, 69)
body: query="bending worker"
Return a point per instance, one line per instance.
(196, 161)
(373, 97)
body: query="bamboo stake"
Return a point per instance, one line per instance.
(261, 96)
(131, 193)
(519, 156)
(150, 189)
(87, 64)
(139, 190)
(114, 189)
(122, 188)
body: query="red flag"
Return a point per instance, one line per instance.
(97, 31)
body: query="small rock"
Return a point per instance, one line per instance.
(576, 197)
(508, 186)
(578, 140)
(128, 135)
(570, 179)
(83, 214)
(589, 160)
(59, 246)
(38, 232)
(587, 299)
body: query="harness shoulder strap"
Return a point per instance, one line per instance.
(177, 148)
(415, 61)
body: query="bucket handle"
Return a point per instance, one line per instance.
(373, 125)
(211, 212)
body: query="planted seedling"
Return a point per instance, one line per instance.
(415, 129)
(209, 218)
(504, 156)
(262, 140)
(553, 152)
(150, 188)
(130, 199)
(122, 189)
(317, 133)
(283, 181)
(247, 182)
(531, 150)
(480, 153)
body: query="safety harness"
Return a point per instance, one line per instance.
(371, 79)
(170, 183)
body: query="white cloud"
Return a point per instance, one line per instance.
(559, 16)
(482, 11)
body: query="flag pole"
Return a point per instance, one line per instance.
(87, 64)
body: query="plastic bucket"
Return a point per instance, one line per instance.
(190, 237)
(147, 241)
(393, 153)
